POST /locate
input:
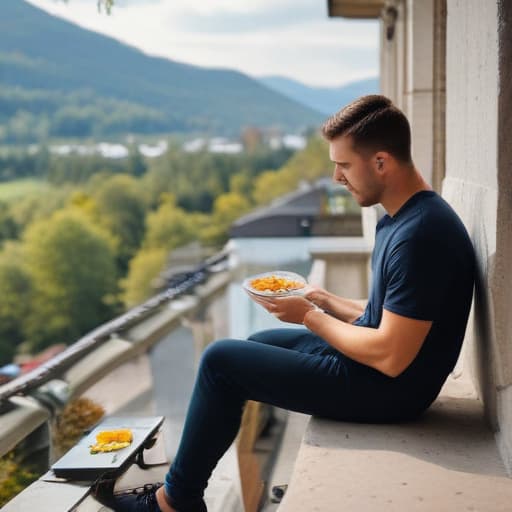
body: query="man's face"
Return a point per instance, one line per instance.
(355, 172)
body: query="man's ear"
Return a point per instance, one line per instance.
(380, 160)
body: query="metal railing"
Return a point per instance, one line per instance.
(23, 407)
(45, 372)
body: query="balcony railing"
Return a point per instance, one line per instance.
(28, 402)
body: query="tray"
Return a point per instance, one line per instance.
(79, 464)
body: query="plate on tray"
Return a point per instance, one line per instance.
(278, 283)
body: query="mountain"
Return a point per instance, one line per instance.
(59, 79)
(326, 100)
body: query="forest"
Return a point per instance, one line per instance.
(83, 237)
(28, 115)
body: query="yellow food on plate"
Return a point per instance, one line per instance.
(275, 284)
(112, 440)
(108, 447)
(123, 435)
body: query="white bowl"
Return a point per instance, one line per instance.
(278, 273)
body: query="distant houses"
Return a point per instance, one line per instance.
(211, 145)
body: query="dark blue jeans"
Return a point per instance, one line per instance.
(290, 368)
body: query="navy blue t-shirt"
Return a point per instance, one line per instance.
(422, 267)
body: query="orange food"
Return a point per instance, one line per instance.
(119, 436)
(275, 284)
(112, 440)
(107, 447)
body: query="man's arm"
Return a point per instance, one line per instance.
(390, 348)
(344, 309)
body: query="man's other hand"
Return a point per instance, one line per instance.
(316, 295)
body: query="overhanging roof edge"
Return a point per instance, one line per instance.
(359, 9)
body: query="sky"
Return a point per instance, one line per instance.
(290, 38)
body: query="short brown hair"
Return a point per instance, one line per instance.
(374, 124)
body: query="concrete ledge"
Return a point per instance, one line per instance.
(96, 365)
(445, 461)
(25, 417)
(48, 497)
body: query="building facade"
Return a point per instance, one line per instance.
(448, 65)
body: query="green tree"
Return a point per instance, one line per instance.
(144, 268)
(72, 266)
(83, 202)
(227, 208)
(309, 164)
(38, 205)
(194, 180)
(198, 179)
(16, 292)
(75, 168)
(270, 185)
(241, 183)
(8, 227)
(122, 210)
(135, 164)
(170, 226)
(14, 477)
(21, 127)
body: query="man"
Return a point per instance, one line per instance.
(385, 361)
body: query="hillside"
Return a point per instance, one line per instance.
(326, 100)
(59, 79)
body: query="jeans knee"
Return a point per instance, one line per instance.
(215, 354)
(260, 336)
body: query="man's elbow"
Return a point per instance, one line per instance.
(396, 360)
(393, 373)
(391, 367)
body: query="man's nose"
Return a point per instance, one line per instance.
(338, 175)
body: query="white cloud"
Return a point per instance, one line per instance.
(293, 38)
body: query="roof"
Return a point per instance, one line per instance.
(303, 212)
(306, 200)
(355, 8)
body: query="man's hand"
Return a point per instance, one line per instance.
(317, 296)
(341, 308)
(287, 309)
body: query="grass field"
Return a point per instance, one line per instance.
(11, 190)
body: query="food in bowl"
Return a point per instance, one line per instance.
(277, 283)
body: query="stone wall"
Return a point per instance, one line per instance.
(478, 185)
(407, 71)
(461, 125)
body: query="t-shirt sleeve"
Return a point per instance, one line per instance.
(416, 280)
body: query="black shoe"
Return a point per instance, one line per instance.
(140, 499)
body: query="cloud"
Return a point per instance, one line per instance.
(294, 38)
(257, 18)
(314, 66)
